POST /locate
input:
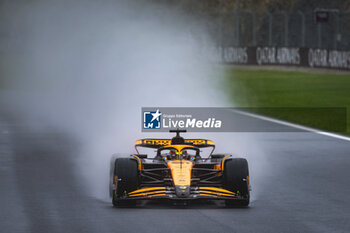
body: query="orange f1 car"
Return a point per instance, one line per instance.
(178, 172)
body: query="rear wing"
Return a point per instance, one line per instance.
(157, 143)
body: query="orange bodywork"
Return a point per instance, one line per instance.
(167, 142)
(179, 147)
(181, 171)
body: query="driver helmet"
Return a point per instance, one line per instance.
(172, 153)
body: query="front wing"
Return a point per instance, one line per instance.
(195, 193)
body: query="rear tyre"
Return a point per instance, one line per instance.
(236, 179)
(126, 173)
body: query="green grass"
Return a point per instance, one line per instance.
(293, 96)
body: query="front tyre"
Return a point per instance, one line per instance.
(126, 179)
(236, 179)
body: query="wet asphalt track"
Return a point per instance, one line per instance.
(306, 189)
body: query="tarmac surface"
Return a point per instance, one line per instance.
(305, 189)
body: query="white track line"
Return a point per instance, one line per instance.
(301, 127)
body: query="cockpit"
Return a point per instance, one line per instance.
(178, 152)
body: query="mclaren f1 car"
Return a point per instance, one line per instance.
(178, 172)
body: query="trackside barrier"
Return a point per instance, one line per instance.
(304, 57)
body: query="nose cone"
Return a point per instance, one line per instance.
(182, 191)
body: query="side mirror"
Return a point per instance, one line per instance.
(142, 156)
(218, 156)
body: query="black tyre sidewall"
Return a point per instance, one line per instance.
(126, 169)
(235, 177)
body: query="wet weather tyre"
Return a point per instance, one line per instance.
(236, 179)
(126, 171)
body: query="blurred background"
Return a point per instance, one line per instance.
(289, 23)
(74, 75)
